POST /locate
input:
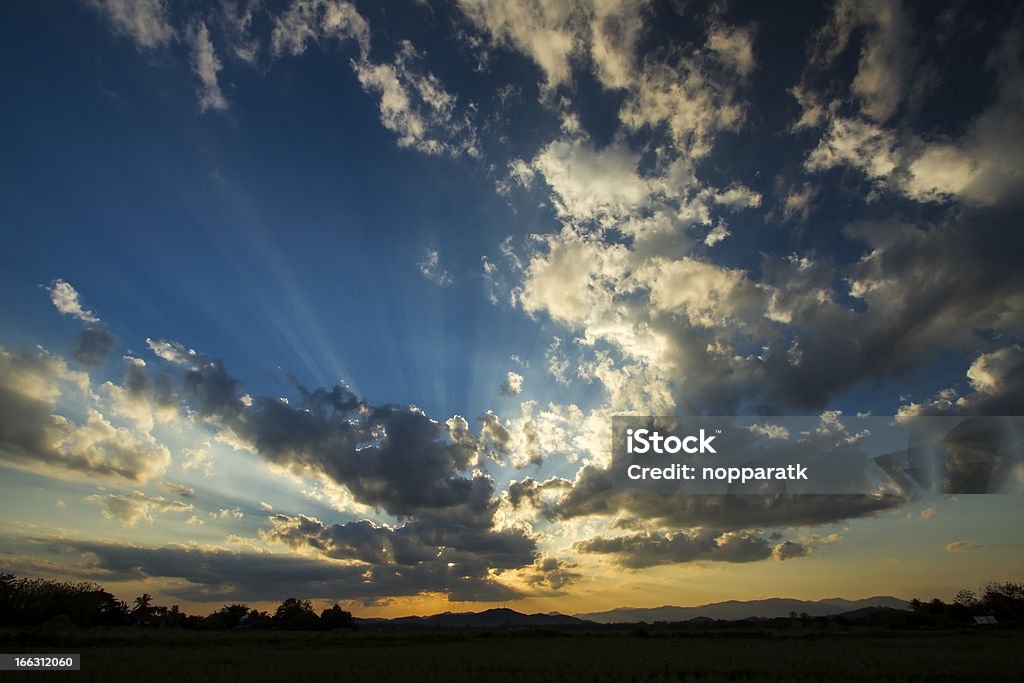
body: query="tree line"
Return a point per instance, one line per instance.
(26, 602)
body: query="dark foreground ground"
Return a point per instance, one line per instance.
(628, 655)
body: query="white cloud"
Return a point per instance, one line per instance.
(144, 21)
(67, 300)
(861, 144)
(989, 372)
(314, 20)
(198, 459)
(431, 268)
(717, 234)
(734, 46)
(129, 508)
(513, 384)
(33, 436)
(171, 351)
(541, 30)
(415, 105)
(205, 65)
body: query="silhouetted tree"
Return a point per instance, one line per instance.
(228, 616)
(33, 601)
(295, 614)
(335, 617)
(1005, 601)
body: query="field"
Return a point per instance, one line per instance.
(631, 655)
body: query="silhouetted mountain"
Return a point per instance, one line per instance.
(492, 618)
(735, 609)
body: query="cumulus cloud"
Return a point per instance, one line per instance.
(981, 167)
(35, 437)
(513, 384)
(129, 508)
(647, 550)
(141, 398)
(788, 550)
(997, 378)
(461, 552)
(592, 494)
(552, 574)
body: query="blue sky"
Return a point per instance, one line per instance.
(491, 225)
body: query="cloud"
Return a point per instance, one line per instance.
(981, 167)
(998, 381)
(641, 550)
(469, 551)
(788, 550)
(552, 573)
(314, 20)
(431, 268)
(213, 574)
(144, 21)
(171, 351)
(513, 384)
(541, 30)
(963, 546)
(67, 300)
(592, 494)
(179, 490)
(140, 398)
(198, 459)
(266, 507)
(129, 508)
(886, 54)
(95, 342)
(734, 46)
(205, 65)
(33, 436)
(415, 105)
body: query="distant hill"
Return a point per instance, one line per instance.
(492, 618)
(735, 609)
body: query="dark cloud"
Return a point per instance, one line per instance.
(412, 544)
(224, 575)
(997, 378)
(35, 437)
(552, 573)
(93, 344)
(647, 550)
(392, 458)
(593, 494)
(789, 549)
(389, 457)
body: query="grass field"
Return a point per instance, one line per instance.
(129, 655)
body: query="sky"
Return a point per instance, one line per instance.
(337, 299)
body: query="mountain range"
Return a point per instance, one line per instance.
(732, 610)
